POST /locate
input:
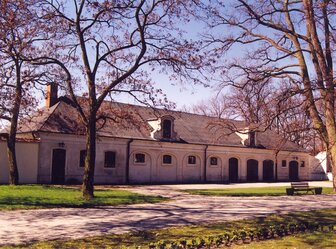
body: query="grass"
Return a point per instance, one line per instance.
(46, 196)
(132, 240)
(261, 191)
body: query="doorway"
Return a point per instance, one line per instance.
(58, 166)
(252, 170)
(293, 171)
(233, 170)
(268, 171)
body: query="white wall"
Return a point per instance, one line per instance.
(27, 160)
(155, 171)
(73, 145)
(36, 167)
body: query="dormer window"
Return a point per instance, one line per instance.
(167, 128)
(252, 138)
(163, 128)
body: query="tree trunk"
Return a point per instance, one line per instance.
(11, 152)
(333, 168)
(11, 139)
(88, 177)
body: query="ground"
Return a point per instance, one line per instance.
(60, 223)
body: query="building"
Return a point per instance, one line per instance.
(145, 145)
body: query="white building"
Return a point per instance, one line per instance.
(146, 145)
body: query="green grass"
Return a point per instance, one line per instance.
(46, 196)
(261, 191)
(132, 240)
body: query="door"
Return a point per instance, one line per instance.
(58, 166)
(268, 171)
(233, 170)
(252, 170)
(293, 171)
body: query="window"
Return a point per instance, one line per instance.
(166, 128)
(109, 161)
(191, 160)
(283, 163)
(166, 159)
(139, 158)
(252, 138)
(213, 161)
(82, 155)
(302, 164)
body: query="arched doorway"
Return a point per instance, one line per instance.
(268, 171)
(140, 168)
(252, 170)
(58, 166)
(293, 171)
(233, 169)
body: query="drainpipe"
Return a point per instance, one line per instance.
(128, 151)
(276, 171)
(276, 167)
(205, 163)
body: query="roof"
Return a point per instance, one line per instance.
(131, 121)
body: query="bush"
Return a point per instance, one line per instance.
(239, 236)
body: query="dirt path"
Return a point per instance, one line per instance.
(46, 224)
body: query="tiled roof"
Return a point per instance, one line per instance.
(131, 121)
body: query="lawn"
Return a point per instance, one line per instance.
(47, 196)
(261, 191)
(144, 238)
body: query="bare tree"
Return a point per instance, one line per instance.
(284, 39)
(108, 47)
(214, 107)
(19, 31)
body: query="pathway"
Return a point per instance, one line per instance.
(47, 224)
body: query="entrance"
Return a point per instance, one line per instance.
(233, 170)
(293, 171)
(268, 171)
(252, 170)
(58, 166)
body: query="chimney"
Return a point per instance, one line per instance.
(51, 96)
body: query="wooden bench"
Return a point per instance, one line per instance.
(302, 187)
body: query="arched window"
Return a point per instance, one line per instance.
(166, 128)
(213, 161)
(139, 158)
(167, 159)
(191, 160)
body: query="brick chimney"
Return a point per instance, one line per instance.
(51, 96)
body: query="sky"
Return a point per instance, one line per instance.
(182, 95)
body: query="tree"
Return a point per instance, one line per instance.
(19, 30)
(214, 107)
(111, 46)
(286, 39)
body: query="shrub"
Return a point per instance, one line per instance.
(236, 236)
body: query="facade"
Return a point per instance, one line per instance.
(146, 145)
(27, 159)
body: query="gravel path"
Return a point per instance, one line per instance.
(47, 224)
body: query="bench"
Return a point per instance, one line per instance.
(302, 187)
